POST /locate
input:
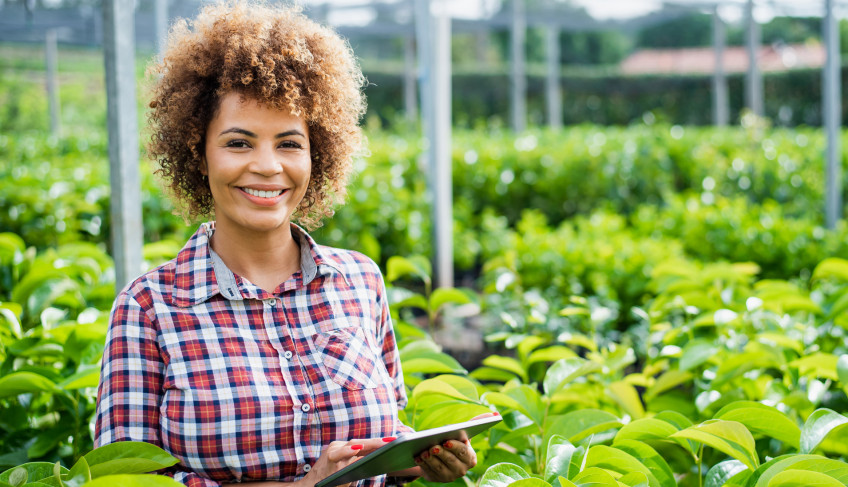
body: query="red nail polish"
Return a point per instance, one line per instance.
(357, 447)
(425, 455)
(448, 444)
(435, 450)
(389, 439)
(496, 413)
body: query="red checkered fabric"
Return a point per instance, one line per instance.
(241, 384)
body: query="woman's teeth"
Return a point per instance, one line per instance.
(262, 194)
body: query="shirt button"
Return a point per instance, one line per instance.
(271, 302)
(287, 355)
(305, 408)
(307, 467)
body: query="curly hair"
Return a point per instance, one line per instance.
(274, 55)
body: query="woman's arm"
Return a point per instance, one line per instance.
(130, 389)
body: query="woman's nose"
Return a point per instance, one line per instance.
(267, 160)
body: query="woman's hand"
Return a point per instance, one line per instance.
(340, 454)
(448, 461)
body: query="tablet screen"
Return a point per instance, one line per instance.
(400, 454)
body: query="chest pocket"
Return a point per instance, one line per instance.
(348, 359)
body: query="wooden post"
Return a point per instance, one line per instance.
(721, 113)
(554, 95)
(119, 58)
(753, 79)
(832, 106)
(51, 61)
(518, 93)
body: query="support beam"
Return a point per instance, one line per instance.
(832, 106)
(753, 79)
(434, 48)
(160, 14)
(119, 57)
(410, 97)
(721, 111)
(52, 60)
(552, 86)
(518, 79)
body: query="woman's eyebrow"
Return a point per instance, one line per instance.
(287, 133)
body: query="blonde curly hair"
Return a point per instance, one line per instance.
(276, 56)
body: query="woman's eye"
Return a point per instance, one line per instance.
(290, 144)
(238, 143)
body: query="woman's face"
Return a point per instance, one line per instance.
(258, 164)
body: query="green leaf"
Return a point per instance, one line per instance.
(650, 458)
(502, 475)
(832, 268)
(610, 458)
(398, 267)
(18, 477)
(566, 370)
(762, 419)
(490, 374)
(564, 482)
(728, 437)
(87, 377)
(35, 471)
(834, 468)
(25, 382)
(842, 369)
(802, 478)
(819, 364)
(521, 398)
(579, 424)
(134, 481)
(447, 295)
(78, 475)
(722, 473)
(696, 353)
(437, 386)
(550, 354)
(429, 365)
(668, 380)
(506, 363)
(763, 475)
(645, 429)
(413, 300)
(819, 425)
(531, 482)
(128, 457)
(560, 452)
(595, 477)
(626, 397)
(634, 479)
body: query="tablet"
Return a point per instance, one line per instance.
(400, 454)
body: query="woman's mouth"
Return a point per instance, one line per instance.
(262, 194)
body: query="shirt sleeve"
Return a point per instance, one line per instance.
(391, 356)
(130, 389)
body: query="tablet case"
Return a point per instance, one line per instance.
(400, 454)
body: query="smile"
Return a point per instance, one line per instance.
(262, 194)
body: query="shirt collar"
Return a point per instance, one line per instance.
(201, 273)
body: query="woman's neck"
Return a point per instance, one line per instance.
(266, 260)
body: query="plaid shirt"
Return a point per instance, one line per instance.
(241, 384)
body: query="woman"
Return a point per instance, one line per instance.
(257, 355)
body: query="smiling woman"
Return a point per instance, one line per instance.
(257, 355)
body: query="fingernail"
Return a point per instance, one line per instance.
(357, 447)
(425, 455)
(417, 460)
(448, 444)
(389, 438)
(435, 450)
(496, 413)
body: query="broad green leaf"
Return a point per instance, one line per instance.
(127, 457)
(696, 353)
(626, 397)
(18, 477)
(578, 339)
(438, 386)
(610, 458)
(763, 475)
(506, 363)
(447, 295)
(35, 471)
(819, 425)
(448, 412)
(728, 437)
(398, 267)
(650, 458)
(722, 473)
(831, 268)
(89, 377)
(560, 452)
(582, 423)
(566, 370)
(595, 477)
(78, 475)
(818, 364)
(502, 475)
(634, 479)
(834, 468)
(414, 300)
(491, 374)
(668, 380)
(531, 482)
(736, 365)
(550, 354)
(429, 365)
(25, 382)
(134, 481)
(762, 419)
(803, 478)
(645, 429)
(527, 345)
(842, 369)
(564, 482)
(521, 398)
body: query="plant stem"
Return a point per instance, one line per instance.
(700, 462)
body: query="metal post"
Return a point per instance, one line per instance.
(518, 80)
(721, 113)
(51, 61)
(160, 13)
(832, 106)
(410, 98)
(434, 48)
(119, 57)
(554, 96)
(753, 79)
